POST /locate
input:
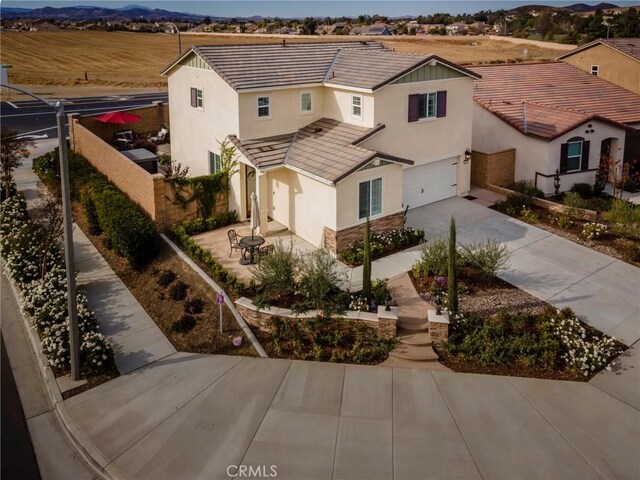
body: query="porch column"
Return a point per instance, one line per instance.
(263, 201)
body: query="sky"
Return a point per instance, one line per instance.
(303, 8)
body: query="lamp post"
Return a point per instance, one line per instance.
(74, 331)
(178, 32)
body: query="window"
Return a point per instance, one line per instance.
(427, 105)
(306, 102)
(356, 106)
(215, 165)
(370, 198)
(264, 107)
(595, 69)
(574, 155)
(197, 98)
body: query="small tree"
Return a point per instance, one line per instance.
(366, 263)
(452, 297)
(49, 223)
(12, 151)
(556, 185)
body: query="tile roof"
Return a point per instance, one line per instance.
(364, 64)
(558, 97)
(628, 46)
(325, 148)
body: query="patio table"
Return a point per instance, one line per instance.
(250, 244)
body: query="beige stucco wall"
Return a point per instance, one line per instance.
(286, 116)
(195, 132)
(613, 66)
(337, 105)
(301, 203)
(347, 191)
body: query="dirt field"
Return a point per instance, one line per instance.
(135, 59)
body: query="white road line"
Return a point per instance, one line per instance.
(86, 110)
(12, 104)
(35, 131)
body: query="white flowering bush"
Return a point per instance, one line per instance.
(383, 243)
(44, 298)
(593, 230)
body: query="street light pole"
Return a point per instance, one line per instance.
(74, 331)
(178, 32)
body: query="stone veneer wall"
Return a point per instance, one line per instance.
(338, 241)
(383, 322)
(493, 168)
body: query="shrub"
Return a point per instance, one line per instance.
(193, 226)
(583, 189)
(529, 215)
(593, 230)
(178, 290)
(194, 306)
(452, 270)
(563, 222)
(527, 188)
(166, 277)
(90, 213)
(319, 278)
(631, 251)
(277, 271)
(382, 243)
(573, 200)
(487, 257)
(433, 258)
(184, 324)
(623, 218)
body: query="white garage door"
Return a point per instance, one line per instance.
(429, 183)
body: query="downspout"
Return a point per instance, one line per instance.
(524, 116)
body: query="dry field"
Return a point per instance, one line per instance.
(135, 59)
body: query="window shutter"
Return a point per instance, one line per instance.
(413, 107)
(584, 161)
(363, 210)
(442, 103)
(564, 153)
(194, 97)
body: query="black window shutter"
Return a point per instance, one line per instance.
(413, 108)
(564, 153)
(584, 161)
(194, 97)
(442, 103)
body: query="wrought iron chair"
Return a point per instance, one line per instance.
(265, 251)
(234, 242)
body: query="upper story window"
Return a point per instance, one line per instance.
(574, 155)
(264, 107)
(197, 97)
(306, 102)
(215, 164)
(427, 105)
(370, 198)
(595, 69)
(356, 106)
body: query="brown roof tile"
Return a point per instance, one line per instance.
(558, 97)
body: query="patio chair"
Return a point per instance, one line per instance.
(234, 242)
(265, 251)
(160, 137)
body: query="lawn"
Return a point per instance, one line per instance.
(135, 59)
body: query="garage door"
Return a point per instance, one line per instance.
(429, 183)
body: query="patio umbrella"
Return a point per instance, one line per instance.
(255, 213)
(117, 118)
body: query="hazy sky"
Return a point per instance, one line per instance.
(301, 8)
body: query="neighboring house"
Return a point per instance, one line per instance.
(327, 133)
(456, 29)
(556, 117)
(616, 60)
(375, 29)
(339, 29)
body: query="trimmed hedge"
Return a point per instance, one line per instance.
(128, 229)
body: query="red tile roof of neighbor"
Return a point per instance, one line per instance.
(628, 46)
(557, 98)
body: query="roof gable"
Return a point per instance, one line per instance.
(629, 47)
(429, 72)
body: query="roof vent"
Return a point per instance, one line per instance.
(284, 42)
(317, 130)
(506, 102)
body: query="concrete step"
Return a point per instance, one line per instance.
(415, 353)
(422, 339)
(413, 324)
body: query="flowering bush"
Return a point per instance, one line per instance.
(593, 230)
(383, 244)
(528, 215)
(44, 298)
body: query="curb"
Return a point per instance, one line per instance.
(94, 460)
(241, 321)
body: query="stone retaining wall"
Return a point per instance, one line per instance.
(338, 241)
(383, 322)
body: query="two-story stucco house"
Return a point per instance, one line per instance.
(328, 134)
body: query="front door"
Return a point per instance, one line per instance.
(250, 179)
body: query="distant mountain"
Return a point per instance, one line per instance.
(131, 12)
(575, 8)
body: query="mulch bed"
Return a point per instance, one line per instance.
(157, 302)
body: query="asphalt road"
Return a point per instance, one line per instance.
(35, 120)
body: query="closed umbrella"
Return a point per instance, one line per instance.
(255, 213)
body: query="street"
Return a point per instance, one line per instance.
(34, 120)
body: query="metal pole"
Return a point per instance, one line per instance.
(74, 331)
(179, 41)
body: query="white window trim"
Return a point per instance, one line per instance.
(361, 97)
(200, 99)
(573, 156)
(597, 70)
(435, 109)
(268, 117)
(211, 170)
(306, 112)
(369, 180)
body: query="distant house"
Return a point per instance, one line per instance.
(44, 26)
(557, 117)
(457, 29)
(478, 28)
(616, 60)
(375, 29)
(430, 28)
(250, 27)
(340, 28)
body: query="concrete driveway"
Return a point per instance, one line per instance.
(603, 291)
